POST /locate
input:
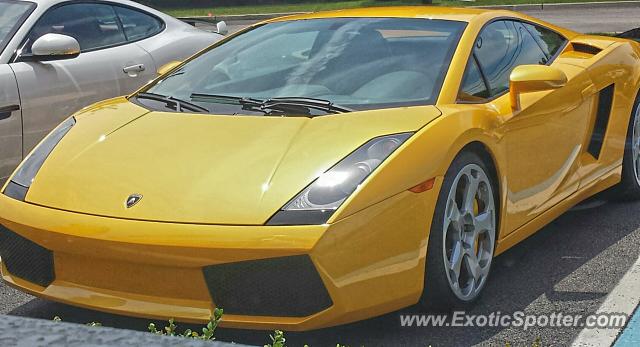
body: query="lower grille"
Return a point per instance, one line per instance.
(26, 259)
(281, 287)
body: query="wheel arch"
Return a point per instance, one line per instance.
(488, 157)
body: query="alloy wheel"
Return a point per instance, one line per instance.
(469, 232)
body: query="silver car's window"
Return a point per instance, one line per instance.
(138, 25)
(362, 63)
(12, 15)
(94, 25)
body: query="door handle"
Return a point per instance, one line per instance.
(133, 70)
(5, 112)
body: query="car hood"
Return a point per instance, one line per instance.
(196, 168)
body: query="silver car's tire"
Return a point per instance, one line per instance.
(629, 186)
(463, 235)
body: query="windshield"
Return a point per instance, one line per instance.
(360, 63)
(12, 14)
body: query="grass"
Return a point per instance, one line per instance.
(313, 6)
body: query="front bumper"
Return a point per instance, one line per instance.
(367, 264)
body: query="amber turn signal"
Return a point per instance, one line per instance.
(424, 186)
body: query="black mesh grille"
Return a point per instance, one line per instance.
(25, 259)
(281, 287)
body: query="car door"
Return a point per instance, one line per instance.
(543, 139)
(10, 123)
(108, 66)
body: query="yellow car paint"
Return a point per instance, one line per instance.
(371, 255)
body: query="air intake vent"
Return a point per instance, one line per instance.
(605, 101)
(584, 48)
(26, 259)
(280, 287)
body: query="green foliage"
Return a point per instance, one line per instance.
(277, 339)
(218, 8)
(208, 331)
(92, 324)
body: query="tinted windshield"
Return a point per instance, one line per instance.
(362, 63)
(12, 14)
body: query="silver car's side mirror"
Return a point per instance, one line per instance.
(55, 46)
(221, 28)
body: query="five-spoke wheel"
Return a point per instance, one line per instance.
(463, 234)
(469, 232)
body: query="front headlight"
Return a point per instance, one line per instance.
(21, 181)
(316, 203)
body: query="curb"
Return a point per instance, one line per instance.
(519, 8)
(29, 332)
(242, 17)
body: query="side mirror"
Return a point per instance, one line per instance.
(54, 47)
(168, 67)
(221, 28)
(533, 78)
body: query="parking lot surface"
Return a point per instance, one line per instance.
(586, 20)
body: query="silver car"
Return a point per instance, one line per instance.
(58, 56)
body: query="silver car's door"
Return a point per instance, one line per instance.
(10, 123)
(108, 66)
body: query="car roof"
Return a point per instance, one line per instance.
(463, 14)
(431, 12)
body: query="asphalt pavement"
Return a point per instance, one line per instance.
(590, 20)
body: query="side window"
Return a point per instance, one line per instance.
(473, 87)
(138, 25)
(501, 47)
(549, 41)
(93, 25)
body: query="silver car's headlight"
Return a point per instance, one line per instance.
(318, 201)
(23, 178)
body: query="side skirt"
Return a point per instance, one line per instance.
(607, 180)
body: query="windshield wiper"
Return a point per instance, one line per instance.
(225, 99)
(309, 103)
(279, 104)
(179, 104)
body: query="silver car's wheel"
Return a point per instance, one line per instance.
(469, 232)
(635, 150)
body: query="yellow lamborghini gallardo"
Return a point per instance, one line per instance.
(319, 169)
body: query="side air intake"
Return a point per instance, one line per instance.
(605, 101)
(584, 48)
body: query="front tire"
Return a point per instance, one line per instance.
(463, 235)
(629, 187)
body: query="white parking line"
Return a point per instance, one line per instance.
(624, 298)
